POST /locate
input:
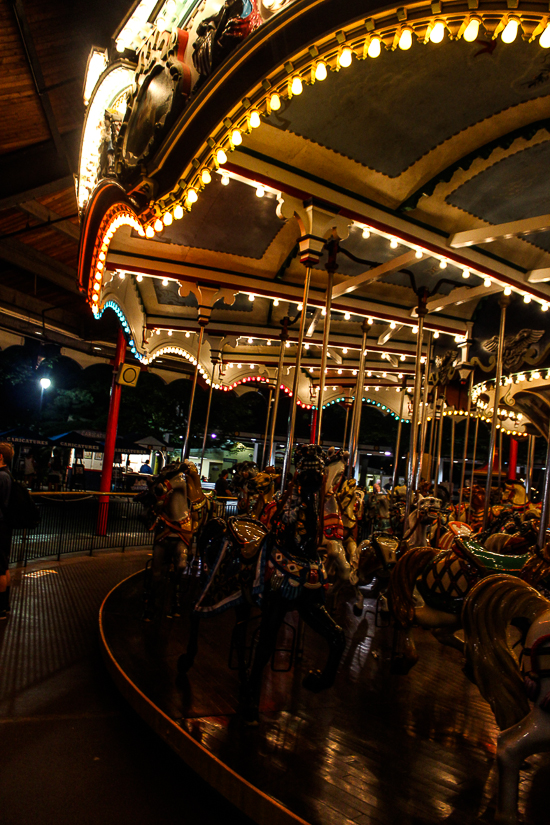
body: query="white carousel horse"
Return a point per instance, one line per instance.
(420, 520)
(517, 690)
(332, 533)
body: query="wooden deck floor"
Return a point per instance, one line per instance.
(375, 749)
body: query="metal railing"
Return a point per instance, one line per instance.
(68, 524)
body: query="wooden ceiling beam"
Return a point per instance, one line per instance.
(38, 210)
(351, 284)
(32, 260)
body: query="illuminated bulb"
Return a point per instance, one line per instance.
(436, 334)
(251, 297)
(323, 311)
(250, 340)
(296, 87)
(225, 180)
(206, 177)
(510, 32)
(418, 253)
(188, 334)
(275, 102)
(544, 39)
(370, 321)
(400, 375)
(354, 372)
(438, 32)
(339, 372)
(150, 232)
(344, 58)
(236, 137)
(465, 273)
(415, 330)
(443, 264)
(472, 30)
(374, 47)
(393, 243)
(393, 325)
(299, 307)
(369, 374)
(260, 192)
(347, 316)
(169, 332)
(158, 225)
(487, 282)
(526, 299)
(268, 342)
(167, 218)
(121, 275)
(321, 70)
(306, 346)
(276, 302)
(254, 119)
(287, 345)
(366, 233)
(178, 212)
(544, 307)
(165, 281)
(507, 290)
(345, 350)
(221, 157)
(192, 196)
(405, 41)
(139, 277)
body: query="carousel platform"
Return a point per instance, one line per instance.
(376, 748)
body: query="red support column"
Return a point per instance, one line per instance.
(513, 459)
(110, 437)
(313, 426)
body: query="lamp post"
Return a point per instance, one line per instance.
(45, 384)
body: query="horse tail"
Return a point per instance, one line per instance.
(403, 579)
(492, 604)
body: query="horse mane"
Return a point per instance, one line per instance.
(491, 606)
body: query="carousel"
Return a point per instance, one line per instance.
(342, 206)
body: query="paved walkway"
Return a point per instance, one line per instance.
(72, 750)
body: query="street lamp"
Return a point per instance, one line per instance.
(45, 384)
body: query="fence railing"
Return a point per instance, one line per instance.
(68, 524)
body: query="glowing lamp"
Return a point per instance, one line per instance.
(321, 70)
(438, 32)
(366, 233)
(167, 218)
(405, 40)
(225, 180)
(443, 264)
(544, 39)
(260, 191)
(296, 87)
(526, 299)
(511, 30)
(254, 119)
(206, 177)
(192, 196)
(221, 157)
(178, 212)
(236, 137)
(374, 47)
(344, 58)
(275, 102)
(158, 225)
(472, 30)
(487, 282)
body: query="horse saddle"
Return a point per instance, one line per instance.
(248, 533)
(488, 562)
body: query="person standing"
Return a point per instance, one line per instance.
(146, 468)
(6, 456)
(222, 486)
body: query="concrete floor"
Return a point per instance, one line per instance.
(72, 751)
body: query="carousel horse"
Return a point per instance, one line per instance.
(420, 520)
(428, 587)
(175, 510)
(264, 490)
(244, 474)
(377, 512)
(331, 545)
(517, 688)
(351, 499)
(238, 554)
(376, 557)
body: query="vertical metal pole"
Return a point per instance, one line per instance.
(439, 441)
(192, 399)
(347, 406)
(398, 437)
(110, 437)
(545, 499)
(452, 457)
(358, 405)
(504, 301)
(424, 418)
(295, 383)
(205, 436)
(414, 417)
(271, 458)
(529, 465)
(499, 457)
(473, 469)
(324, 355)
(269, 404)
(466, 434)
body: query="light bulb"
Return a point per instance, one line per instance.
(139, 277)
(345, 350)
(221, 157)
(276, 302)
(347, 316)
(415, 330)
(150, 232)
(436, 334)
(344, 58)
(472, 30)
(393, 325)
(508, 290)
(188, 334)
(370, 321)
(366, 233)
(236, 137)
(438, 32)
(487, 282)
(296, 87)
(299, 307)
(418, 253)
(374, 47)
(443, 264)
(260, 191)
(192, 196)
(405, 40)
(465, 273)
(251, 297)
(225, 180)
(287, 345)
(544, 39)
(165, 281)
(544, 307)
(526, 299)
(178, 212)
(275, 102)
(510, 32)
(158, 225)
(254, 119)
(323, 311)
(167, 218)
(393, 243)
(206, 177)
(250, 340)
(321, 70)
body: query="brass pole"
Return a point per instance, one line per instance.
(452, 456)
(267, 424)
(192, 399)
(473, 469)
(284, 336)
(324, 354)
(214, 362)
(504, 301)
(499, 457)
(358, 405)
(398, 437)
(295, 383)
(424, 418)
(439, 441)
(529, 465)
(421, 310)
(347, 406)
(466, 434)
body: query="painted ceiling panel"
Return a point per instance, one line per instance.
(229, 219)
(514, 188)
(169, 296)
(403, 104)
